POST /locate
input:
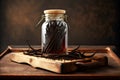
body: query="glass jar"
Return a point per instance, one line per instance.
(54, 32)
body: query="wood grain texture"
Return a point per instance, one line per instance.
(48, 64)
(15, 70)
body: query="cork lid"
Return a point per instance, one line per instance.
(54, 11)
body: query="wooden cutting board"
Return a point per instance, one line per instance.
(58, 66)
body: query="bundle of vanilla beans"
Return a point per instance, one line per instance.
(54, 36)
(73, 54)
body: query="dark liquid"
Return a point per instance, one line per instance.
(55, 37)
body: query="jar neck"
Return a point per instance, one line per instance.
(54, 17)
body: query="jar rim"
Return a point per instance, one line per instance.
(54, 11)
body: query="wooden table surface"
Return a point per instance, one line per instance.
(15, 70)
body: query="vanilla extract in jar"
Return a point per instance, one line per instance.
(54, 32)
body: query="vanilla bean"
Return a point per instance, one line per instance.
(32, 51)
(75, 52)
(30, 45)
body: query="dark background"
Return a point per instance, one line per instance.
(92, 22)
